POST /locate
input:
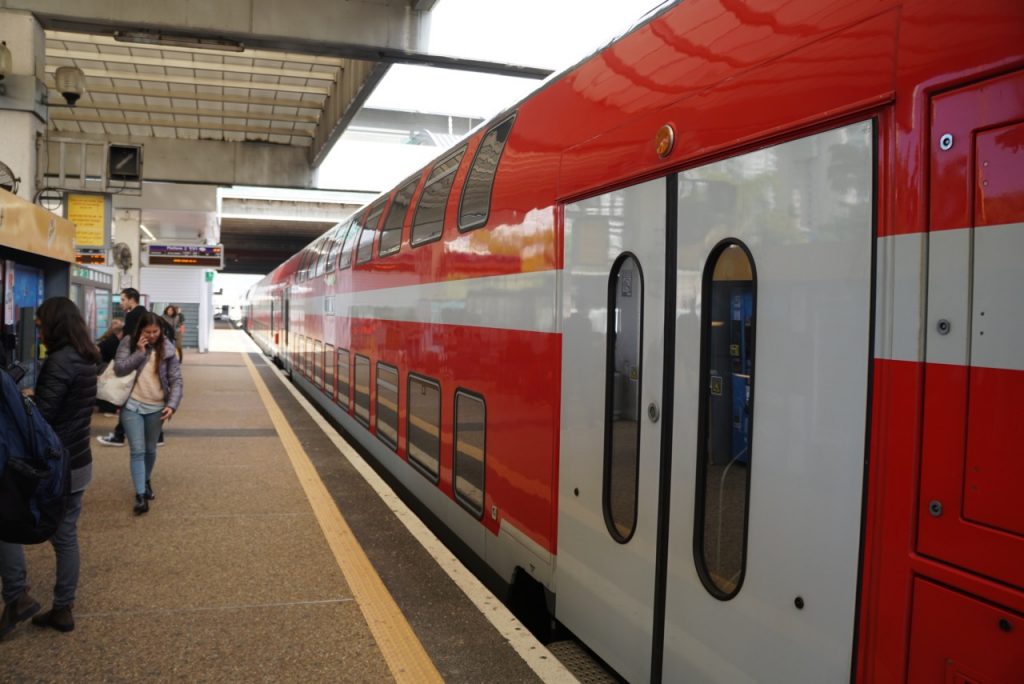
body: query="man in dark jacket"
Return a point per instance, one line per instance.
(65, 395)
(132, 313)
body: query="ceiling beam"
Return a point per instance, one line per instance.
(194, 80)
(358, 80)
(314, 105)
(111, 58)
(182, 111)
(256, 130)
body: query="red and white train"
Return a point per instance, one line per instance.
(718, 337)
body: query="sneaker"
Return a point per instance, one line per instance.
(160, 441)
(110, 440)
(21, 608)
(58, 618)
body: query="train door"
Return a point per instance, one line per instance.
(612, 359)
(770, 397)
(971, 464)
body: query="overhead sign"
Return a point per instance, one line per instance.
(91, 214)
(208, 256)
(92, 258)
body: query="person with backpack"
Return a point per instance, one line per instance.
(65, 395)
(154, 398)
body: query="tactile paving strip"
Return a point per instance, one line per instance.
(579, 661)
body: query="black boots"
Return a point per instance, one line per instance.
(141, 504)
(58, 618)
(148, 494)
(21, 608)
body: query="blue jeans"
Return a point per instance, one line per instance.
(65, 546)
(142, 431)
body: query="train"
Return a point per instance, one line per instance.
(714, 338)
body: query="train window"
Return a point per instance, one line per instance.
(470, 451)
(318, 363)
(725, 419)
(337, 241)
(329, 368)
(345, 260)
(391, 233)
(423, 429)
(362, 411)
(365, 252)
(300, 353)
(344, 378)
(622, 397)
(475, 205)
(387, 404)
(300, 272)
(429, 220)
(319, 257)
(307, 354)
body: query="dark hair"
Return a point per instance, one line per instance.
(170, 307)
(147, 319)
(61, 324)
(130, 293)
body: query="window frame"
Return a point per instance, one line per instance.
(459, 498)
(330, 389)
(355, 226)
(703, 415)
(435, 478)
(347, 405)
(355, 390)
(460, 152)
(376, 401)
(467, 227)
(606, 486)
(414, 182)
(335, 244)
(378, 209)
(318, 363)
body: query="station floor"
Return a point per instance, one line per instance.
(269, 554)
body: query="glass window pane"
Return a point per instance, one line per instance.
(346, 250)
(423, 433)
(387, 404)
(470, 455)
(344, 375)
(321, 256)
(622, 422)
(337, 238)
(363, 390)
(391, 234)
(476, 196)
(318, 363)
(329, 361)
(429, 220)
(723, 476)
(366, 237)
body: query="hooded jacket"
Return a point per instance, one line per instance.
(65, 395)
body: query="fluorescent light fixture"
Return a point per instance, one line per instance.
(158, 39)
(146, 231)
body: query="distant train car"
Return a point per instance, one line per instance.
(717, 338)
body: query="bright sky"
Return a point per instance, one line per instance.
(554, 34)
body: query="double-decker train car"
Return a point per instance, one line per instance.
(717, 338)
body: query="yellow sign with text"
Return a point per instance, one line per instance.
(30, 228)
(89, 214)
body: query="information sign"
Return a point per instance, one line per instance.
(90, 212)
(209, 256)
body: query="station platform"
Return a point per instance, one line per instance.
(272, 552)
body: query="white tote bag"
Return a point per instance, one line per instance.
(113, 389)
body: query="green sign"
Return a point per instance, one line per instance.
(209, 276)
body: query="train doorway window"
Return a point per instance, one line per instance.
(470, 451)
(344, 380)
(318, 364)
(423, 431)
(329, 369)
(387, 404)
(622, 403)
(475, 205)
(391, 233)
(365, 252)
(362, 404)
(429, 220)
(726, 419)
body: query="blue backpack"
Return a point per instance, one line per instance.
(35, 470)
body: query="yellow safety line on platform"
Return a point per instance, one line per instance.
(402, 651)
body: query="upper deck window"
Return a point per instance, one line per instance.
(366, 237)
(346, 249)
(391, 233)
(429, 220)
(336, 238)
(475, 205)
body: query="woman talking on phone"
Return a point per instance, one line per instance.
(154, 398)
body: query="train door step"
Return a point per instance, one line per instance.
(582, 663)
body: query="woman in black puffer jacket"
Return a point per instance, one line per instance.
(65, 394)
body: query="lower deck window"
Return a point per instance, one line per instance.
(470, 451)
(329, 369)
(318, 363)
(423, 432)
(344, 380)
(387, 404)
(362, 393)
